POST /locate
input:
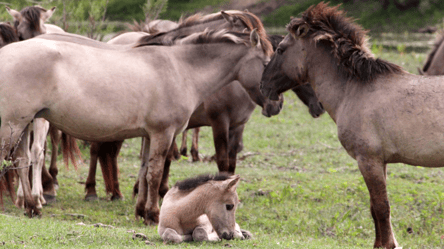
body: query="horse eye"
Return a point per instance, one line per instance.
(279, 51)
(229, 206)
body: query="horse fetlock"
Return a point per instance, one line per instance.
(151, 218)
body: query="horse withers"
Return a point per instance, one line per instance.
(201, 209)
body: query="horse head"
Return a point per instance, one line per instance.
(29, 22)
(7, 34)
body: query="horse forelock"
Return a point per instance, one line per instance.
(8, 33)
(32, 14)
(438, 41)
(347, 39)
(253, 22)
(193, 183)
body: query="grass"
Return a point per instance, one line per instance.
(299, 189)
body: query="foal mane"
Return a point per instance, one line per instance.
(347, 39)
(8, 33)
(32, 15)
(438, 41)
(192, 183)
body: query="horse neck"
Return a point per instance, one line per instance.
(327, 80)
(435, 67)
(199, 200)
(216, 65)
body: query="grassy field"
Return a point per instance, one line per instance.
(299, 189)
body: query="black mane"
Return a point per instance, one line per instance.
(192, 183)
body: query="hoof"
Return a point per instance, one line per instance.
(151, 218)
(246, 234)
(91, 198)
(49, 199)
(199, 234)
(116, 198)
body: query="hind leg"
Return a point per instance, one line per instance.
(40, 130)
(183, 146)
(195, 145)
(235, 145)
(90, 185)
(56, 136)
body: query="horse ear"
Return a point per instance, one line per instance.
(14, 13)
(302, 30)
(232, 184)
(46, 15)
(227, 16)
(254, 38)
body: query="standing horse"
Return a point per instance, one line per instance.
(384, 114)
(121, 94)
(201, 209)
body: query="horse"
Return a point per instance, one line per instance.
(383, 113)
(201, 209)
(304, 92)
(30, 21)
(433, 64)
(126, 96)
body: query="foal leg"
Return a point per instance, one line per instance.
(220, 128)
(90, 184)
(170, 235)
(195, 145)
(374, 172)
(40, 131)
(235, 146)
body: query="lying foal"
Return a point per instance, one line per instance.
(201, 208)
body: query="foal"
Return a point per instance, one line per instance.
(201, 208)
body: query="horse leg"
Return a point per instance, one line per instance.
(220, 128)
(195, 145)
(204, 231)
(163, 189)
(49, 192)
(183, 146)
(56, 136)
(374, 173)
(170, 235)
(23, 156)
(235, 146)
(40, 131)
(90, 184)
(160, 144)
(142, 185)
(116, 194)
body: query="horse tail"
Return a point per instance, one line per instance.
(69, 149)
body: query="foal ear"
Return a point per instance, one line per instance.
(254, 38)
(47, 14)
(14, 13)
(232, 184)
(302, 30)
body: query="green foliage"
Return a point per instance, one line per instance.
(153, 8)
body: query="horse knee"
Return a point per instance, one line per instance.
(171, 235)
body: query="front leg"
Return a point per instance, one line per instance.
(220, 136)
(374, 172)
(170, 235)
(159, 147)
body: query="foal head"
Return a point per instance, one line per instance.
(220, 200)
(7, 34)
(29, 22)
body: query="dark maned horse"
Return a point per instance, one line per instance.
(434, 62)
(304, 92)
(383, 113)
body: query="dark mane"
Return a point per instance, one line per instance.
(192, 183)
(347, 39)
(438, 41)
(8, 33)
(32, 15)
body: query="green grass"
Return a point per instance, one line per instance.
(299, 189)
